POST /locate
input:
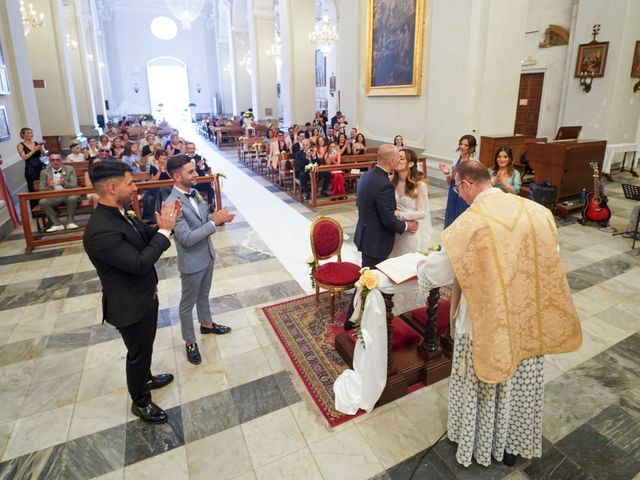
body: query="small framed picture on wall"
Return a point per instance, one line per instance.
(4, 77)
(635, 64)
(4, 125)
(592, 59)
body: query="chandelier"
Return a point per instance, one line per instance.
(30, 18)
(275, 51)
(71, 44)
(185, 10)
(246, 63)
(324, 36)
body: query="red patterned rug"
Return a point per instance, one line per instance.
(307, 334)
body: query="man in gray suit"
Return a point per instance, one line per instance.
(196, 254)
(59, 177)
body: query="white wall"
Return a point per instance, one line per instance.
(130, 45)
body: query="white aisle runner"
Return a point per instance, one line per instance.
(284, 230)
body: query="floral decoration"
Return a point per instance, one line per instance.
(131, 214)
(368, 281)
(310, 166)
(312, 270)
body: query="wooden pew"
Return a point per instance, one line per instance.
(227, 136)
(347, 197)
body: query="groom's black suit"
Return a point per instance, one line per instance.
(124, 254)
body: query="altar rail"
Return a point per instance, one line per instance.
(65, 236)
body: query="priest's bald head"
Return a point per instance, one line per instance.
(471, 178)
(387, 157)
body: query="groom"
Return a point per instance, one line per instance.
(192, 233)
(377, 223)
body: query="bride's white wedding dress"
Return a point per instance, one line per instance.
(412, 209)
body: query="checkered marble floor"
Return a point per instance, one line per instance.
(243, 413)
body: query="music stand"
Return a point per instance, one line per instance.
(631, 192)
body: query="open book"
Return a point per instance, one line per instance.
(403, 268)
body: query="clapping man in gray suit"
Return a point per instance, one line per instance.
(196, 254)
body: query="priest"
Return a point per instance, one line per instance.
(511, 305)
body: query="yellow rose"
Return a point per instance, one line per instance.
(369, 279)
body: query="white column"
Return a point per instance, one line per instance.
(297, 20)
(351, 19)
(263, 78)
(51, 62)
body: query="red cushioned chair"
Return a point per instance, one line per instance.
(326, 242)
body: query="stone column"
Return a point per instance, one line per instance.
(263, 78)
(50, 61)
(297, 20)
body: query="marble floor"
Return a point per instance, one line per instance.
(244, 413)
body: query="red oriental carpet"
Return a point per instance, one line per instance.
(307, 334)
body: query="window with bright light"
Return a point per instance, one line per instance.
(164, 28)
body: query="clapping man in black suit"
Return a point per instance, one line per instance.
(124, 251)
(377, 224)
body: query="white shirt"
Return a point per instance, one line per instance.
(57, 175)
(193, 202)
(72, 157)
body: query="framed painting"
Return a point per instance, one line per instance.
(395, 32)
(4, 125)
(635, 64)
(592, 59)
(4, 76)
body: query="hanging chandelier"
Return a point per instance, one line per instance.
(30, 18)
(275, 51)
(187, 11)
(324, 36)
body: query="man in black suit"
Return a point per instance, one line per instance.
(124, 251)
(309, 155)
(377, 224)
(297, 146)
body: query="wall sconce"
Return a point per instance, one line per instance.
(136, 88)
(332, 84)
(198, 88)
(586, 79)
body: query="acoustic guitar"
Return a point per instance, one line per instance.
(595, 208)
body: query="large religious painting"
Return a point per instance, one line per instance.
(592, 59)
(394, 47)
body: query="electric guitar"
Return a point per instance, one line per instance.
(595, 208)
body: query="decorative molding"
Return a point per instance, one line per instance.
(264, 14)
(554, 36)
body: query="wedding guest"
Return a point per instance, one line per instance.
(503, 174)
(153, 198)
(296, 147)
(175, 146)
(315, 133)
(30, 151)
(117, 148)
(92, 197)
(196, 254)
(455, 204)
(344, 146)
(398, 141)
(321, 145)
(124, 250)
(58, 177)
(337, 177)
(104, 142)
(359, 146)
(131, 157)
(92, 149)
(76, 154)
(278, 147)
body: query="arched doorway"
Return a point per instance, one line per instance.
(168, 89)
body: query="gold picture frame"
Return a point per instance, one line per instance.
(395, 39)
(635, 64)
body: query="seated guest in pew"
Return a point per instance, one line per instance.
(344, 145)
(58, 177)
(304, 157)
(359, 146)
(105, 142)
(308, 129)
(146, 145)
(292, 136)
(398, 141)
(503, 175)
(278, 147)
(315, 133)
(202, 169)
(153, 198)
(503, 324)
(297, 146)
(175, 146)
(321, 145)
(76, 154)
(117, 148)
(337, 177)
(331, 135)
(126, 139)
(104, 154)
(131, 157)
(92, 150)
(92, 197)
(271, 136)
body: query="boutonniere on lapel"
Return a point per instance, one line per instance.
(63, 173)
(131, 214)
(198, 197)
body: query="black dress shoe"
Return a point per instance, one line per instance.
(349, 325)
(150, 413)
(193, 354)
(509, 459)
(159, 381)
(217, 329)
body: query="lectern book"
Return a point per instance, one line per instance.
(403, 268)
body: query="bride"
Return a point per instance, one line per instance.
(411, 204)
